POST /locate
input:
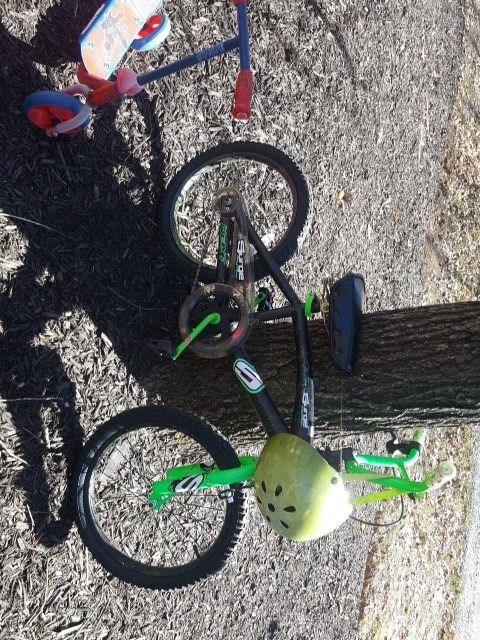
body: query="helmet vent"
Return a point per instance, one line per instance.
(271, 507)
(290, 509)
(268, 518)
(264, 487)
(258, 500)
(284, 524)
(278, 490)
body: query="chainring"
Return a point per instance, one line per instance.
(216, 341)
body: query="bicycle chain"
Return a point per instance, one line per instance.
(202, 257)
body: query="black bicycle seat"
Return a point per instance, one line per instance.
(344, 316)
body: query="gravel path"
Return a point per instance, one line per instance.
(359, 93)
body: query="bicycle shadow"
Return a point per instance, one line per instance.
(85, 211)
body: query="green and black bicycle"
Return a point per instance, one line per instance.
(159, 493)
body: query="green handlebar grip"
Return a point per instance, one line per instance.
(445, 472)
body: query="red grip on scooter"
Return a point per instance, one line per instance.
(242, 108)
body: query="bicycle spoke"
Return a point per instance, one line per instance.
(165, 538)
(138, 495)
(130, 465)
(192, 517)
(178, 533)
(269, 192)
(203, 506)
(184, 528)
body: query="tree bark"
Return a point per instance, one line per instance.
(415, 367)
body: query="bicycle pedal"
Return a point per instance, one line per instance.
(164, 347)
(266, 302)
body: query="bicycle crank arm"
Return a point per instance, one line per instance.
(167, 347)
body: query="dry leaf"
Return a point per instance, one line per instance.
(343, 197)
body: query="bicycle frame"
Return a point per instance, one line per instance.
(358, 467)
(302, 421)
(231, 219)
(199, 477)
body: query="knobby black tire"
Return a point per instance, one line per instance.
(289, 244)
(113, 560)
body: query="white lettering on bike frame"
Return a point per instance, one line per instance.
(247, 375)
(240, 275)
(305, 405)
(189, 484)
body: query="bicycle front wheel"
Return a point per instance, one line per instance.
(191, 536)
(273, 186)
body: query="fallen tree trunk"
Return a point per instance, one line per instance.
(415, 367)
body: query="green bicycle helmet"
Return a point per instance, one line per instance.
(299, 494)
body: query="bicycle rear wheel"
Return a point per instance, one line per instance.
(273, 186)
(191, 536)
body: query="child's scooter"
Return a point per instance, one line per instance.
(115, 28)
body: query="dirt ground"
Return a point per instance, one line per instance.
(360, 95)
(451, 273)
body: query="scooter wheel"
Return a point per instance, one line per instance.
(153, 33)
(45, 109)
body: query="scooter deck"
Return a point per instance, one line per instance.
(111, 31)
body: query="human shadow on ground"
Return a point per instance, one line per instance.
(86, 210)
